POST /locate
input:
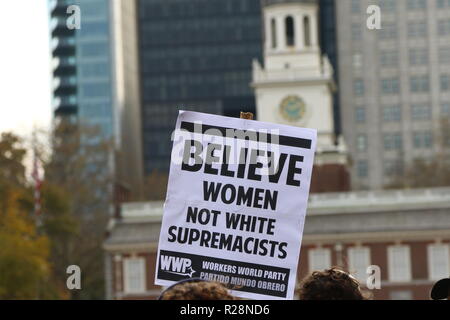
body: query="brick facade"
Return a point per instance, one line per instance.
(338, 222)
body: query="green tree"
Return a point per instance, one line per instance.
(78, 171)
(24, 264)
(12, 154)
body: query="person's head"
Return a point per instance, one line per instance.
(330, 284)
(196, 289)
(441, 290)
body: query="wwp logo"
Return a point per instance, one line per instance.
(176, 265)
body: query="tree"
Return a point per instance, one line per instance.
(62, 229)
(24, 264)
(155, 186)
(78, 170)
(12, 154)
(75, 208)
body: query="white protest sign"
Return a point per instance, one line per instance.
(236, 204)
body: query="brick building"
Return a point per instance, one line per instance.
(404, 232)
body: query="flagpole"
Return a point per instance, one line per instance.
(37, 183)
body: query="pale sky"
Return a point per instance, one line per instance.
(25, 74)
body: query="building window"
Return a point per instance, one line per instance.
(361, 142)
(423, 140)
(273, 30)
(389, 58)
(399, 264)
(359, 260)
(356, 32)
(444, 55)
(390, 86)
(438, 261)
(417, 29)
(392, 141)
(356, 6)
(290, 34)
(388, 5)
(95, 89)
(418, 56)
(392, 113)
(445, 82)
(417, 4)
(357, 60)
(389, 31)
(360, 114)
(319, 259)
(95, 29)
(94, 69)
(358, 87)
(362, 168)
(420, 112)
(443, 4)
(96, 110)
(444, 27)
(419, 84)
(134, 275)
(307, 31)
(401, 295)
(445, 109)
(393, 168)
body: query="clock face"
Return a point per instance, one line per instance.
(292, 108)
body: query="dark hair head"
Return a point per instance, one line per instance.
(196, 290)
(330, 284)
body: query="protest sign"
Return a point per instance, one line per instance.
(236, 204)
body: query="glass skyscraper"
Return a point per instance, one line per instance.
(197, 55)
(194, 55)
(82, 58)
(63, 46)
(328, 43)
(96, 77)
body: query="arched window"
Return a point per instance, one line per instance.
(307, 31)
(289, 24)
(273, 32)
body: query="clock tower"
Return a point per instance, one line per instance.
(295, 85)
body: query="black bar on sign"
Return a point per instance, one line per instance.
(282, 140)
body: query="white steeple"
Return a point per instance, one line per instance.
(291, 29)
(295, 86)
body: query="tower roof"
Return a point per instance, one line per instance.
(266, 3)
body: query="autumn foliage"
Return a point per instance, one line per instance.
(24, 254)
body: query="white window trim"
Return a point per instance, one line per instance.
(408, 275)
(406, 292)
(430, 262)
(361, 277)
(310, 259)
(126, 285)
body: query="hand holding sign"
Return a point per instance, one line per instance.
(235, 204)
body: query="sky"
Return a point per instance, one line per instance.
(25, 74)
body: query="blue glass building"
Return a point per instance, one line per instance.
(96, 78)
(83, 87)
(197, 55)
(328, 43)
(194, 55)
